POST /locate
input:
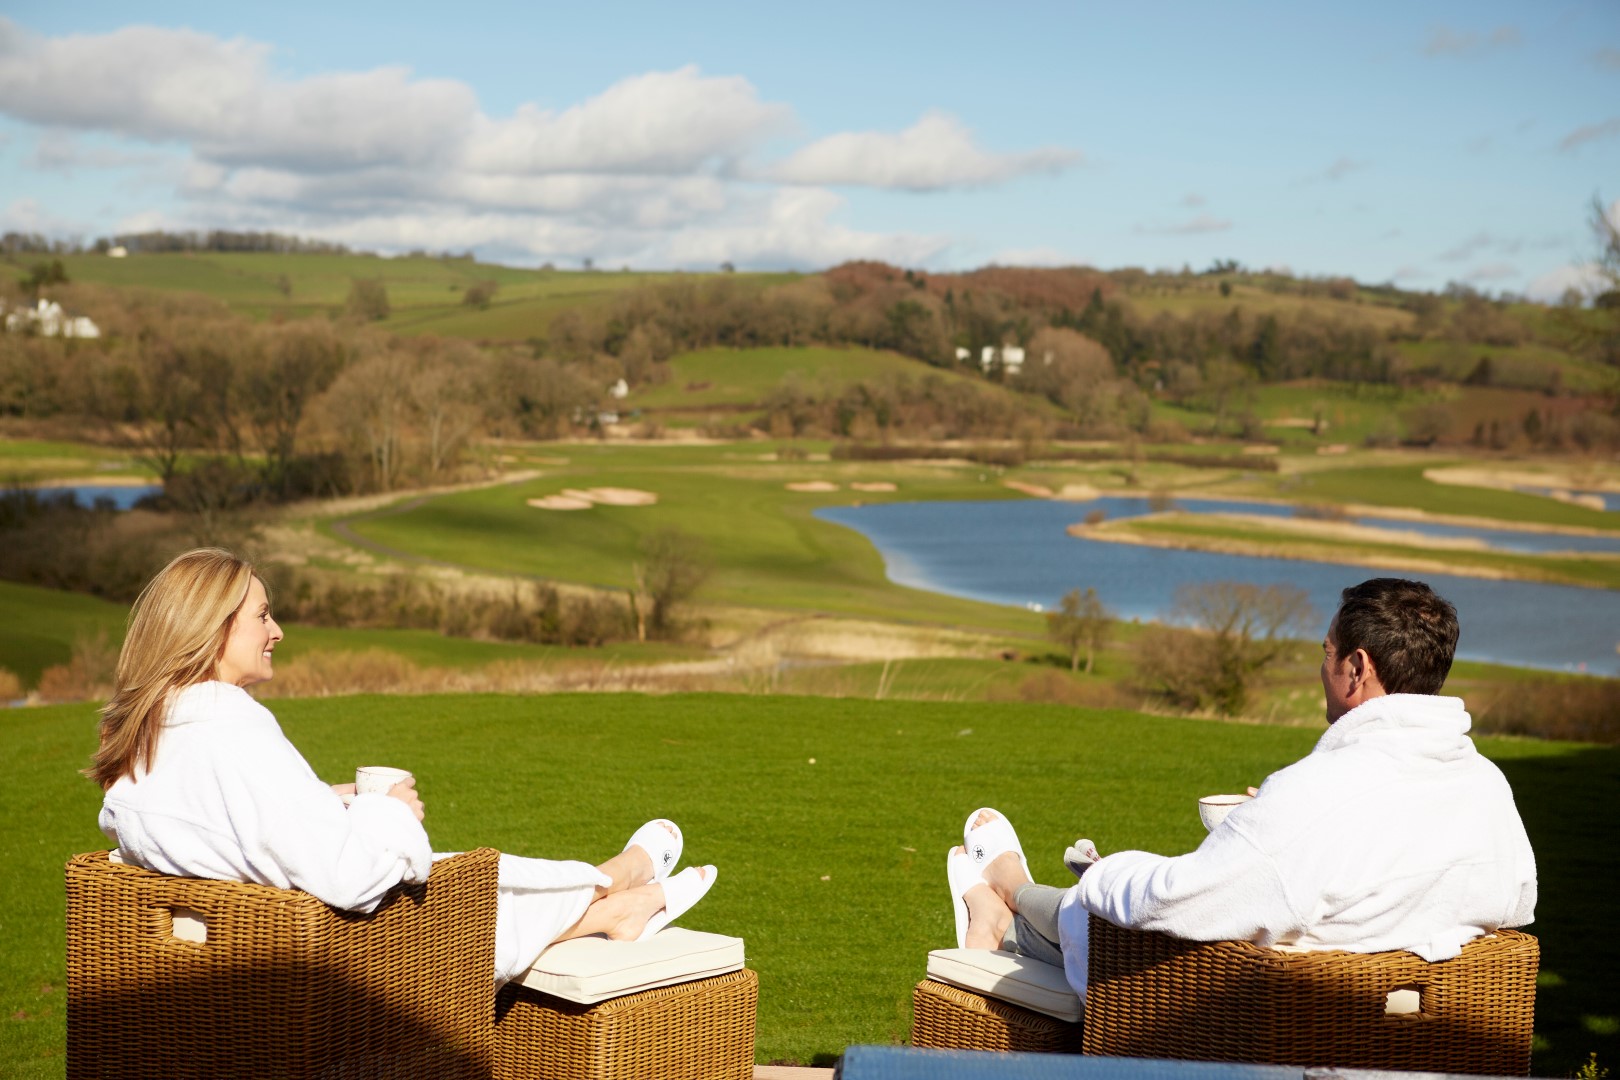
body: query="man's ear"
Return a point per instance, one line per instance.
(1361, 665)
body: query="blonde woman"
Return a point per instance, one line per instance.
(199, 781)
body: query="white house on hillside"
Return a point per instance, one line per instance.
(1012, 358)
(47, 319)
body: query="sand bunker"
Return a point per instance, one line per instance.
(1028, 489)
(1077, 493)
(812, 485)
(612, 496)
(577, 499)
(873, 485)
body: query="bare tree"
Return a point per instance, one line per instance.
(1082, 622)
(674, 565)
(1239, 630)
(368, 299)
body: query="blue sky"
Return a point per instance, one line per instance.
(1415, 142)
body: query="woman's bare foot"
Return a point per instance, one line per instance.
(629, 869)
(621, 916)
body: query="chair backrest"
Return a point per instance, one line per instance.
(1151, 995)
(181, 977)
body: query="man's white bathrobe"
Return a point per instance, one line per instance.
(1393, 833)
(228, 797)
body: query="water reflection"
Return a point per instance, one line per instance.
(118, 496)
(1016, 552)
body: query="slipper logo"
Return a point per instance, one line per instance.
(978, 853)
(669, 857)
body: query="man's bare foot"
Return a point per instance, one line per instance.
(988, 917)
(1005, 873)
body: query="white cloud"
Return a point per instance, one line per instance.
(935, 153)
(1585, 278)
(1203, 223)
(662, 122)
(1338, 170)
(657, 169)
(1467, 248)
(56, 151)
(1194, 200)
(1410, 272)
(1589, 133)
(1443, 41)
(1607, 58)
(1036, 256)
(1495, 271)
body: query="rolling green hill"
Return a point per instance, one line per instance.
(424, 292)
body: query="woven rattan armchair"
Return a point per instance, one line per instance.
(281, 984)
(1151, 995)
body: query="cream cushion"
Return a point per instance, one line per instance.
(1008, 977)
(591, 969)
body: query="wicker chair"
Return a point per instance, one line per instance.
(1151, 995)
(279, 984)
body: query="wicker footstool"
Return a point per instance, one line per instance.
(678, 1006)
(1032, 1008)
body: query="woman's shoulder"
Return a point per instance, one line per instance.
(215, 701)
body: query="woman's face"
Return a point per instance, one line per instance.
(253, 636)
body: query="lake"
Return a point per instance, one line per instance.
(1017, 553)
(121, 496)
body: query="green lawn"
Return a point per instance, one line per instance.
(424, 292)
(1262, 539)
(1404, 485)
(767, 549)
(722, 377)
(830, 868)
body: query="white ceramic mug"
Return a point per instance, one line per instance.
(1212, 809)
(377, 779)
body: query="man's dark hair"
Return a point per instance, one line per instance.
(1408, 629)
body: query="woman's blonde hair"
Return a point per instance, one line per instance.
(177, 633)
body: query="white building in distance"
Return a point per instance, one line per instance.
(47, 319)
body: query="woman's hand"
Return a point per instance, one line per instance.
(344, 789)
(405, 792)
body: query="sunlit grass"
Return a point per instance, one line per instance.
(831, 870)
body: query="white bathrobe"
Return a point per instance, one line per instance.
(228, 797)
(1393, 833)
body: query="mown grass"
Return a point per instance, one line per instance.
(731, 377)
(1404, 485)
(828, 820)
(425, 292)
(1253, 538)
(766, 548)
(34, 460)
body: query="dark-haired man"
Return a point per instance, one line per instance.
(1393, 833)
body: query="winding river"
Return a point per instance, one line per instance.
(1017, 553)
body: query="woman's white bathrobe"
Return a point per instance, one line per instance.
(1393, 833)
(228, 797)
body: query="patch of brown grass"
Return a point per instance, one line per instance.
(87, 676)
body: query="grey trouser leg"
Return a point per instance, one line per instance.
(1034, 929)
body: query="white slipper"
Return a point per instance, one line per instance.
(681, 892)
(661, 846)
(991, 839)
(962, 876)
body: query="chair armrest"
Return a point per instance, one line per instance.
(275, 981)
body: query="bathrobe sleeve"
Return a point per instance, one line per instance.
(295, 832)
(1227, 889)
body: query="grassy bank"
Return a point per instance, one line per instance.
(828, 820)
